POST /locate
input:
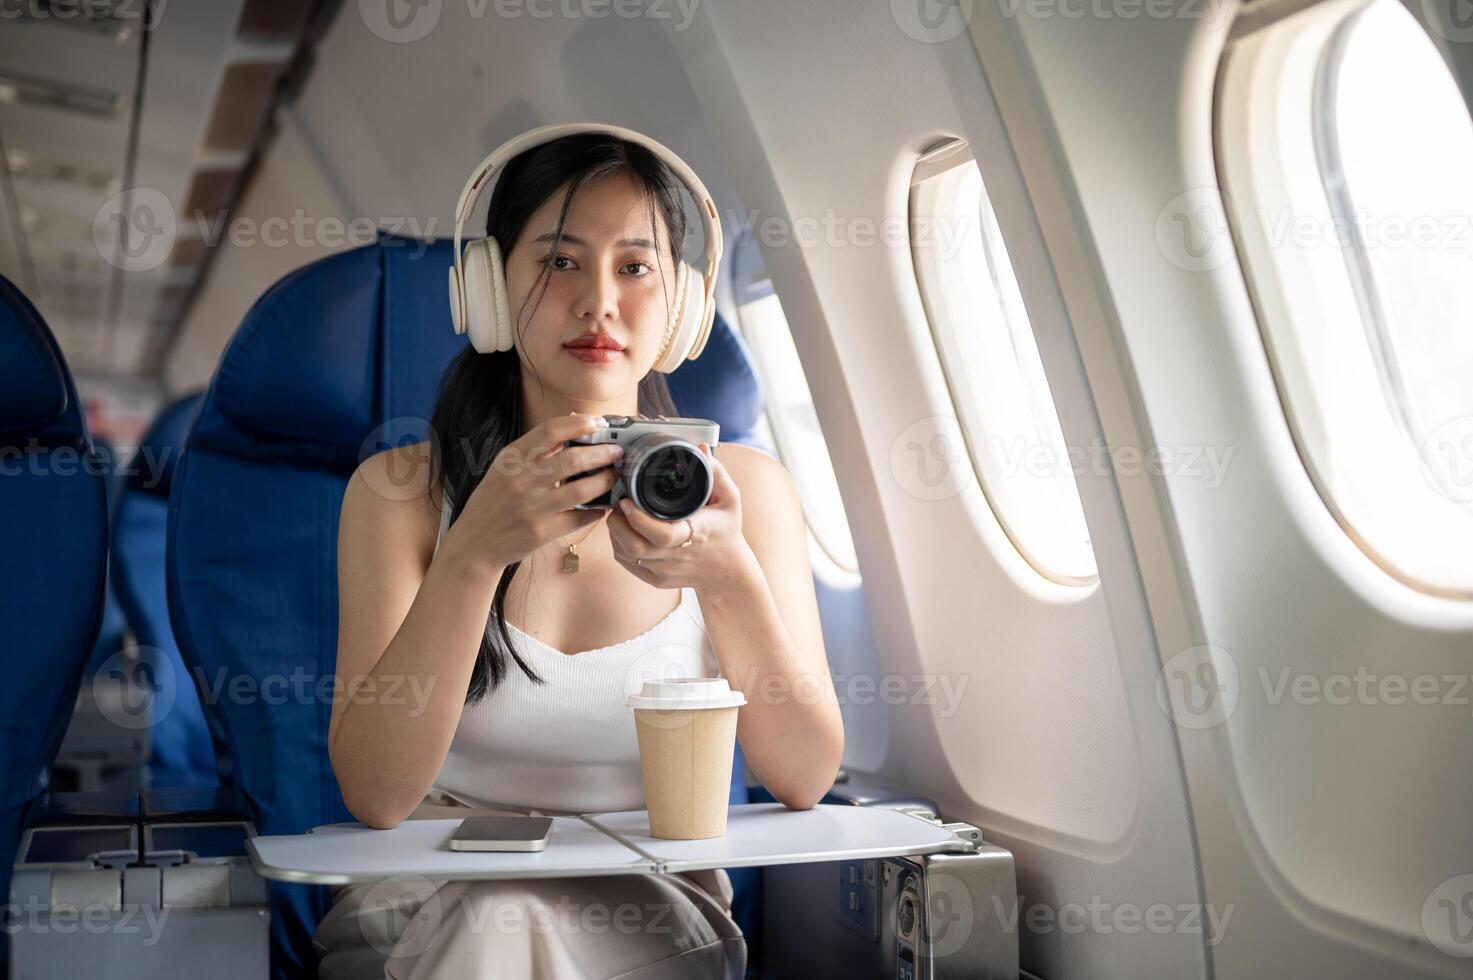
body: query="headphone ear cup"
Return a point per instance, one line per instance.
(457, 303)
(496, 272)
(484, 315)
(687, 317)
(476, 302)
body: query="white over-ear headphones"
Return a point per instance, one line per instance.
(478, 302)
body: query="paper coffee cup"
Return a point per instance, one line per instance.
(687, 732)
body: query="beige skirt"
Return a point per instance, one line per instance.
(630, 927)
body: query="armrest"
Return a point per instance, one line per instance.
(868, 916)
(162, 887)
(78, 832)
(194, 831)
(73, 851)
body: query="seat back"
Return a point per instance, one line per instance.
(338, 360)
(327, 356)
(184, 749)
(722, 385)
(114, 623)
(52, 578)
(97, 754)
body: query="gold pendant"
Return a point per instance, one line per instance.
(570, 560)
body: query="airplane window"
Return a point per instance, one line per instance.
(1361, 251)
(993, 368)
(790, 423)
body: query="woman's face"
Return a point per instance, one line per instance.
(610, 279)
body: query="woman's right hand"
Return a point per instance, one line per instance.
(524, 500)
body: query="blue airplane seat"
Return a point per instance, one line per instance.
(336, 361)
(112, 474)
(111, 635)
(54, 577)
(186, 748)
(722, 385)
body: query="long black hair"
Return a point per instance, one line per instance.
(478, 410)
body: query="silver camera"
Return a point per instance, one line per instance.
(662, 470)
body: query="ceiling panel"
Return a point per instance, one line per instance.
(107, 190)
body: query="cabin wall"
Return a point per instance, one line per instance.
(1055, 745)
(1324, 828)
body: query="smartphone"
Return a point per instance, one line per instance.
(501, 834)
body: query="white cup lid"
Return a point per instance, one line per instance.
(684, 693)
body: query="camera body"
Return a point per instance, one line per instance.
(662, 470)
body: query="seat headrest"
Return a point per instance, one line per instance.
(33, 384)
(152, 468)
(720, 385)
(311, 371)
(317, 393)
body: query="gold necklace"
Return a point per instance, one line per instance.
(570, 560)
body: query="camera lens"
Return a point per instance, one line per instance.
(672, 480)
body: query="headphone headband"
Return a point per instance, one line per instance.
(484, 176)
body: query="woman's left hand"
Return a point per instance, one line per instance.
(653, 550)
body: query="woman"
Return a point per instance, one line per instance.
(460, 585)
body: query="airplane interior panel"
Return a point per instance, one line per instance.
(1051, 422)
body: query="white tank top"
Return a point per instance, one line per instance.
(569, 745)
